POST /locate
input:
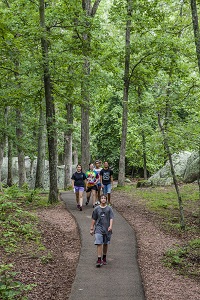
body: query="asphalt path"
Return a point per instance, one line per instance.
(120, 278)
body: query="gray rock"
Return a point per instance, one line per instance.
(192, 168)
(163, 176)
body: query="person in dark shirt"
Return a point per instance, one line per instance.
(106, 179)
(78, 184)
(101, 227)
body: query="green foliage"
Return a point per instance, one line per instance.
(184, 259)
(163, 201)
(17, 225)
(10, 288)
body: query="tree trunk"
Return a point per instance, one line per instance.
(68, 147)
(2, 139)
(21, 157)
(75, 156)
(144, 155)
(121, 175)
(166, 145)
(50, 112)
(85, 92)
(195, 22)
(10, 157)
(39, 178)
(196, 29)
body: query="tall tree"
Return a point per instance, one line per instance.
(89, 12)
(50, 109)
(68, 146)
(39, 177)
(121, 176)
(195, 22)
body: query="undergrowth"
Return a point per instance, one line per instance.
(19, 233)
(162, 203)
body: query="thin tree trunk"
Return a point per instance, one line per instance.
(195, 22)
(50, 111)
(68, 147)
(144, 155)
(121, 175)
(166, 145)
(21, 156)
(75, 156)
(10, 157)
(2, 139)
(90, 12)
(39, 178)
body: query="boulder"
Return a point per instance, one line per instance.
(163, 176)
(31, 172)
(192, 168)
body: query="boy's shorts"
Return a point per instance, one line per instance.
(107, 189)
(101, 239)
(78, 189)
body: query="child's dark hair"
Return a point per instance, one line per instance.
(80, 166)
(103, 196)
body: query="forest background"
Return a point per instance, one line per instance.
(84, 80)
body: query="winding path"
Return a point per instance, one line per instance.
(118, 280)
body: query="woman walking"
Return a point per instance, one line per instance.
(78, 184)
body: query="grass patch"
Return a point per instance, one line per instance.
(164, 202)
(19, 234)
(185, 260)
(162, 205)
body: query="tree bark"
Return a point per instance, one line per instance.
(90, 12)
(68, 146)
(144, 155)
(195, 22)
(50, 111)
(166, 146)
(10, 157)
(2, 139)
(39, 178)
(20, 150)
(121, 175)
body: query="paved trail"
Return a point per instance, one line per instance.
(120, 279)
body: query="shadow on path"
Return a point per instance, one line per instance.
(120, 279)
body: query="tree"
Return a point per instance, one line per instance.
(121, 176)
(50, 109)
(89, 12)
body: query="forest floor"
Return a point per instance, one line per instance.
(54, 272)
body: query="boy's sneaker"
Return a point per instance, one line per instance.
(104, 261)
(99, 263)
(97, 203)
(80, 208)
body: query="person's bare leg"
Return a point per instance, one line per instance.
(108, 195)
(81, 198)
(99, 250)
(94, 197)
(77, 198)
(105, 249)
(88, 194)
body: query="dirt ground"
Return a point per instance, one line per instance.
(54, 273)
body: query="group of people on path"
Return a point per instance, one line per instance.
(93, 181)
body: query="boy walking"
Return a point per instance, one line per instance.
(101, 226)
(106, 179)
